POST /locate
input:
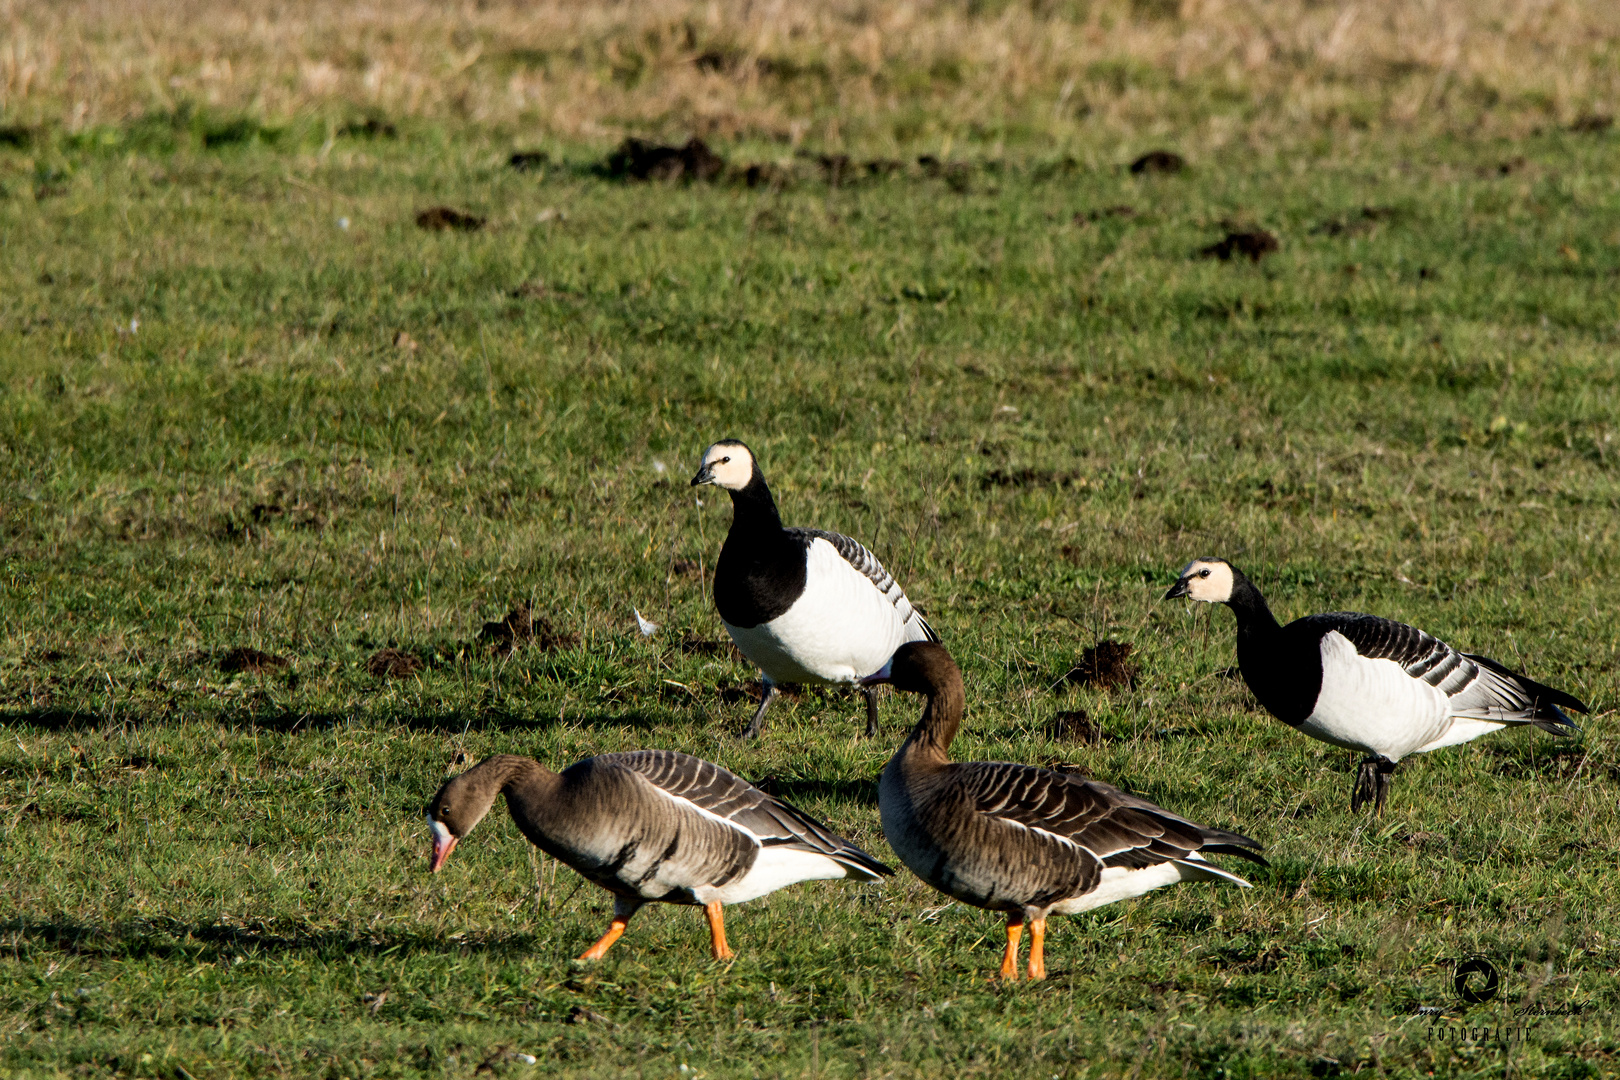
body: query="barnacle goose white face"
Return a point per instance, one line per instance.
(1209, 580)
(726, 464)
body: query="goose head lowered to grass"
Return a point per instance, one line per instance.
(651, 826)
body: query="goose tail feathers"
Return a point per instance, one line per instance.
(1546, 703)
(1196, 869)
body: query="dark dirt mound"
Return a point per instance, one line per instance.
(440, 218)
(521, 627)
(393, 664)
(251, 661)
(702, 647)
(1120, 211)
(371, 127)
(1365, 221)
(638, 159)
(525, 160)
(686, 568)
(1254, 244)
(765, 174)
(1158, 161)
(958, 175)
(1105, 665)
(1592, 124)
(1074, 725)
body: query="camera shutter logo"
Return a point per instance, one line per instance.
(1476, 980)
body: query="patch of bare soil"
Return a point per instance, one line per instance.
(251, 661)
(522, 627)
(440, 218)
(1105, 665)
(1253, 244)
(393, 664)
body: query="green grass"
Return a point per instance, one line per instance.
(1034, 422)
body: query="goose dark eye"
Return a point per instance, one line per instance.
(1203, 573)
(725, 460)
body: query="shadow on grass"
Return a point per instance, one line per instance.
(288, 723)
(202, 942)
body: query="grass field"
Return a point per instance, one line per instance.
(250, 405)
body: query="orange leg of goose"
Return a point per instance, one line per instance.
(1009, 962)
(717, 930)
(615, 932)
(1037, 948)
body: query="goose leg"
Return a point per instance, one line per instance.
(1037, 948)
(1386, 769)
(717, 930)
(622, 910)
(767, 691)
(1015, 930)
(1372, 783)
(870, 694)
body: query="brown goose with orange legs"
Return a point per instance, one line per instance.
(1022, 840)
(652, 826)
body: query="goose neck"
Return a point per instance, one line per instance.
(930, 741)
(753, 508)
(1254, 617)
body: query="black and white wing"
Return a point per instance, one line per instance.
(867, 563)
(1477, 687)
(723, 794)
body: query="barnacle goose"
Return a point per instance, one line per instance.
(1022, 840)
(804, 605)
(1370, 684)
(651, 826)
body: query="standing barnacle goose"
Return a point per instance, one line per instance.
(804, 605)
(1023, 840)
(651, 826)
(1370, 684)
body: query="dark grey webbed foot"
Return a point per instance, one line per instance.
(1372, 784)
(870, 694)
(757, 724)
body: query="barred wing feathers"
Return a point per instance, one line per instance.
(864, 561)
(725, 795)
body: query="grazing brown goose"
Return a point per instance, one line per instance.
(651, 825)
(1019, 839)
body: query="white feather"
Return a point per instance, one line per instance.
(1123, 882)
(775, 868)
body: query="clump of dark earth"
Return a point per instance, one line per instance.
(393, 664)
(1158, 161)
(764, 174)
(686, 568)
(638, 159)
(522, 627)
(1592, 124)
(16, 135)
(957, 174)
(1120, 211)
(703, 647)
(251, 661)
(1253, 244)
(371, 128)
(440, 218)
(1104, 665)
(1363, 221)
(1074, 725)
(525, 160)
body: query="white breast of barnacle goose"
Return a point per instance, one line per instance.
(805, 605)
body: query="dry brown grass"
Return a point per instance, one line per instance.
(833, 72)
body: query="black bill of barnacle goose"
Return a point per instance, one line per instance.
(651, 826)
(1023, 840)
(1369, 684)
(804, 605)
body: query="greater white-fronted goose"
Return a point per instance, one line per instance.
(1369, 684)
(804, 605)
(1023, 840)
(651, 825)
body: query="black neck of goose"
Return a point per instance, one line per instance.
(1254, 618)
(752, 508)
